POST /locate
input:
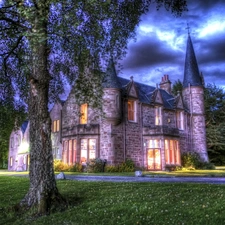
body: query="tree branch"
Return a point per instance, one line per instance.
(14, 22)
(12, 50)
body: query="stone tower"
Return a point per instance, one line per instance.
(112, 95)
(112, 113)
(193, 94)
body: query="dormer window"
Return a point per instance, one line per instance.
(158, 115)
(131, 110)
(180, 120)
(55, 126)
(83, 113)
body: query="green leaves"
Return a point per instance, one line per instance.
(215, 125)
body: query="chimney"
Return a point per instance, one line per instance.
(165, 84)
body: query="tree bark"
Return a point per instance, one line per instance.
(43, 190)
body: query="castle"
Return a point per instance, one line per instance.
(143, 123)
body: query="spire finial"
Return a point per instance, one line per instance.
(188, 28)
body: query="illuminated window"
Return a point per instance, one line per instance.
(92, 148)
(172, 153)
(88, 150)
(154, 154)
(158, 115)
(69, 151)
(56, 126)
(131, 110)
(83, 112)
(180, 120)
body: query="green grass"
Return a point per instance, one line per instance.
(101, 203)
(218, 172)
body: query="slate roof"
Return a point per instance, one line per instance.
(191, 71)
(110, 79)
(24, 126)
(146, 92)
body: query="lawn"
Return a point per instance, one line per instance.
(104, 203)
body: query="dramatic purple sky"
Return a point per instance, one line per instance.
(161, 38)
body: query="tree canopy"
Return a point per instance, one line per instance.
(44, 43)
(215, 125)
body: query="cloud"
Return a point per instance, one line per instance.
(161, 43)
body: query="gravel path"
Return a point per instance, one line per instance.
(209, 180)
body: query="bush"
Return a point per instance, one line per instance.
(112, 168)
(77, 167)
(59, 166)
(192, 160)
(127, 166)
(173, 168)
(96, 165)
(207, 166)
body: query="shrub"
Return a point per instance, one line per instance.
(190, 160)
(173, 168)
(207, 166)
(60, 166)
(127, 166)
(111, 168)
(96, 165)
(77, 167)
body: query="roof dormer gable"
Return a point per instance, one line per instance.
(157, 97)
(179, 102)
(132, 89)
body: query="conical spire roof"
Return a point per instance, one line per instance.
(191, 72)
(110, 79)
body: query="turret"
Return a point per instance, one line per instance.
(193, 95)
(112, 95)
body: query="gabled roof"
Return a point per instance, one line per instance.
(24, 126)
(146, 93)
(179, 102)
(191, 72)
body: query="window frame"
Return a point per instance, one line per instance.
(132, 111)
(180, 120)
(172, 152)
(83, 113)
(89, 150)
(56, 126)
(69, 155)
(158, 116)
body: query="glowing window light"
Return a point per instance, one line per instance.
(23, 148)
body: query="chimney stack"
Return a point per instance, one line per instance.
(165, 84)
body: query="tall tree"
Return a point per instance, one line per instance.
(215, 125)
(42, 43)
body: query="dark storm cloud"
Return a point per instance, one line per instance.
(161, 42)
(148, 51)
(212, 51)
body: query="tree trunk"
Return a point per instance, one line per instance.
(43, 190)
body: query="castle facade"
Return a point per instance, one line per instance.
(140, 122)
